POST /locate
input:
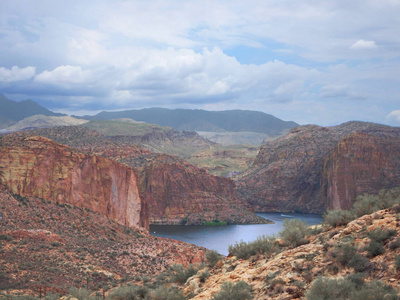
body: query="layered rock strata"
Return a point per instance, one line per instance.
(37, 166)
(302, 170)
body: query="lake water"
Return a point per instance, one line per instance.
(220, 237)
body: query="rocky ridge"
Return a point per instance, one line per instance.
(290, 274)
(37, 166)
(51, 247)
(289, 174)
(177, 192)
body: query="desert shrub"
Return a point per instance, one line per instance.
(338, 217)
(360, 263)
(350, 287)
(397, 263)
(203, 276)
(131, 292)
(347, 256)
(180, 274)
(263, 244)
(212, 257)
(375, 248)
(80, 294)
(380, 235)
(165, 293)
(395, 208)
(294, 232)
(394, 244)
(238, 291)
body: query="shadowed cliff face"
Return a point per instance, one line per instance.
(180, 193)
(302, 172)
(360, 163)
(36, 166)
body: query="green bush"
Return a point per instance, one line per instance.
(238, 291)
(347, 256)
(180, 274)
(381, 235)
(132, 292)
(294, 232)
(164, 293)
(338, 217)
(263, 244)
(80, 294)
(375, 248)
(397, 263)
(212, 257)
(394, 244)
(350, 287)
(203, 276)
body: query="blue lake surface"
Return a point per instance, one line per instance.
(220, 237)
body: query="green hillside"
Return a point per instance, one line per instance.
(12, 111)
(201, 120)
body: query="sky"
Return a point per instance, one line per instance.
(319, 62)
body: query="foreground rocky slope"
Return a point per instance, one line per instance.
(177, 192)
(291, 273)
(37, 166)
(308, 169)
(48, 247)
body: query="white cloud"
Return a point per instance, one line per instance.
(16, 74)
(361, 44)
(65, 75)
(394, 116)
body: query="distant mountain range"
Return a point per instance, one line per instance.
(12, 111)
(202, 120)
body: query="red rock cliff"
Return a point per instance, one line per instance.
(360, 163)
(39, 167)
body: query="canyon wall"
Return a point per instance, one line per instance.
(39, 167)
(314, 168)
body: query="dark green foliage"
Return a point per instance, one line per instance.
(5, 237)
(347, 256)
(80, 294)
(338, 217)
(130, 293)
(365, 204)
(203, 276)
(212, 257)
(238, 291)
(394, 244)
(351, 287)
(180, 274)
(397, 262)
(165, 293)
(375, 248)
(263, 244)
(294, 232)
(380, 235)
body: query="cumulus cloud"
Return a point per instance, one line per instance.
(362, 44)
(16, 74)
(394, 116)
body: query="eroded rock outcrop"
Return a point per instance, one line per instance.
(39, 167)
(292, 172)
(180, 193)
(360, 163)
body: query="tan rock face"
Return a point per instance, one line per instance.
(39, 167)
(360, 163)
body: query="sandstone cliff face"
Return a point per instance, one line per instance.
(180, 193)
(290, 173)
(176, 192)
(37, 166)
(360, 163)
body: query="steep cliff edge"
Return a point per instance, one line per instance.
(360, 163)
(39, 167)
(180, 193)
(289, 174)
(176, 191)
